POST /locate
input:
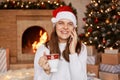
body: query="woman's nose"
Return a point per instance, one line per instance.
(65, 26)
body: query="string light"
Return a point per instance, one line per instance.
(18, 3)
(5, 5)
(95, 38)
(96, 4)
(101, 11)
(49, 1)
(57, 4)
(89, 14)
(91, 24)
(118, 13)
(111, 48)
(86, 24)
(30, 2)
(14, 4)
(98, 27)
(90, 41)
(85, 42)
(99, 1)
(104, 47)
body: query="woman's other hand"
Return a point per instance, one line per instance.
(43, 62)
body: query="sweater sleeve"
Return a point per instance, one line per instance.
(78, 64)
(39, 73)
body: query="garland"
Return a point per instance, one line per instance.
(19, 4)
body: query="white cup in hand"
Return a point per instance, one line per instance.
(53, 60)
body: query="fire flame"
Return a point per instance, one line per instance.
(42, 39)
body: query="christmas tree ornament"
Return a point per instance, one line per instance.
(96, 20)
(103, 34)
(43, 6)
(118, 16)
(104, 41)
(81, 36)
(113, 28)
(114, 17)
(107, 21)
(95, 38)
(95, 33)
(113, 7)
(84, 19)
(88, 20)
(90, 38)
(86, 34)
(102, 29)
(108, 42)
(109, 32)
(101, 11)
(90, 29)
(118, 13)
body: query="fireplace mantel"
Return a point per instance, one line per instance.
(12, 25)
(26, 12)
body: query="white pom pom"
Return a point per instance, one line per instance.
(53, 20)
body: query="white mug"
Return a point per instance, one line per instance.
(53, 60)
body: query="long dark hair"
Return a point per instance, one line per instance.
(53, 44)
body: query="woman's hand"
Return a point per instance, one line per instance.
(73, 42)
(43, 62)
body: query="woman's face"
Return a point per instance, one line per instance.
(63, 29)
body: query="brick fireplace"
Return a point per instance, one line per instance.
(13, 23)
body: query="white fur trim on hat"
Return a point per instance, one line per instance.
(65, 15)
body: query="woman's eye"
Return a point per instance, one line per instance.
(70, 24)
(60, 23)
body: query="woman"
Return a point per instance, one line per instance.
(64, 41)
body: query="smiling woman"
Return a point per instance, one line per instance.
(63, 42)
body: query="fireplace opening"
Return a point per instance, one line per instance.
(32, 38)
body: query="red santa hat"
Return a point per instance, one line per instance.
(64, 12)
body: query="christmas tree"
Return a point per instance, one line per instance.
(102, 24)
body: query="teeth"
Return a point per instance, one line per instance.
(64, 32)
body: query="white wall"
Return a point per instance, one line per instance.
(80, 5)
